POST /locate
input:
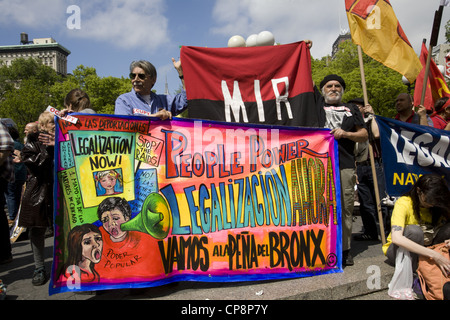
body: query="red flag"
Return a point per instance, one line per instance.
(436, 85)
(267, 85)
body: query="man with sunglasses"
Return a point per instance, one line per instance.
(142, 101)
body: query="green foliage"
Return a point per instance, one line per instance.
(102, 92)
(382, 83)
(25, 90)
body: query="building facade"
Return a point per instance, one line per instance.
(439, 53)
(47, 50)
(343, 36)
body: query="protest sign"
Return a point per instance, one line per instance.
(409, 151)
(142, 202)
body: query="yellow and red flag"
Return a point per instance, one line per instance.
(436, 85)
(374, 27)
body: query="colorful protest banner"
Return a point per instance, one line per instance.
(409, 151)
(142, 202)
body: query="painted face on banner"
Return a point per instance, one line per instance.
(108, 182)
(92, 246)
(112, 220)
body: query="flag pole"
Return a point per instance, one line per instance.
(425, 76)
(433, 42)
(372, 160)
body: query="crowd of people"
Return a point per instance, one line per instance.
(27, 168)
(419, 219)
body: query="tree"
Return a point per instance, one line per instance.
(25, 90)
(382, 83)
(102, 92)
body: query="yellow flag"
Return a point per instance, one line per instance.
(374, 27)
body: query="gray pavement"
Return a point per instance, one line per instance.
(368, 279)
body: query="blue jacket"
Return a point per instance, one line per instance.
(127, 102)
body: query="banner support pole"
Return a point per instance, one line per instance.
(372, 160)
(433, 42)
(425, 77)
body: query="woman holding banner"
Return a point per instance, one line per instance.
(36, 213)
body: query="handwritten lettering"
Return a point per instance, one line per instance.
(97, 144)
(189, 253)
(120, 260)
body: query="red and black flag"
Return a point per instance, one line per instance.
(263, 85)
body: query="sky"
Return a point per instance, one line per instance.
(111, 34)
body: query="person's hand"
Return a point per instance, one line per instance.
(442, 262)
(177, 65)
(309, 43)
(47, 139)
(16, 156)
(163, 114)
(421, 111)
(447, 127)
(368, 109)
(64, 112)
(338, 133)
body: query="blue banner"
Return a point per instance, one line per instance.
(409, 151)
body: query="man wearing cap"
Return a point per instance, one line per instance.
(348, 127)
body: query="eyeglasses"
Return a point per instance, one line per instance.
(141, 76)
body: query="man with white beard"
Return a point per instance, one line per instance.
(347, 125)
(142, 101)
